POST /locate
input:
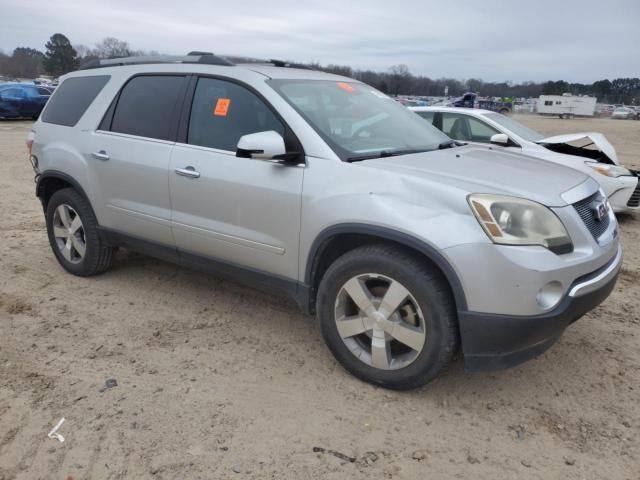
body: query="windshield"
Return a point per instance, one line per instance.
(516, 127)
(357, 121)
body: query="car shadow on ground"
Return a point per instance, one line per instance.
(196, 287)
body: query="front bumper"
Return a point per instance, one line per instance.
(627, 197)
(494, 342)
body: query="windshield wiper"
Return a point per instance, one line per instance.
(447, 144)
(386, 153)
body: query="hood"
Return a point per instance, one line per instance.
(581, 146)
(476, 169)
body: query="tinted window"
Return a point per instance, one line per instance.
(72, 98)
(148, 106)
(222, 112)
(43, 91)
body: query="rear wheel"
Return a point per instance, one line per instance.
(387, 317)
(73, 234)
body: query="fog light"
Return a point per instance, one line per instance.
(549, 295)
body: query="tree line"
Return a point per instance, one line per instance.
(61, 57)
(398, 80)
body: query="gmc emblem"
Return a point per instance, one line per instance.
(599, 211)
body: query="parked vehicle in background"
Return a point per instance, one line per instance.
(590, 153)
(404, 244)
(22, 100)
(624, 113)
(471, 100)
(566, 105)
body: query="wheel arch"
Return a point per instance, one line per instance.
(51, 181)
(338, 239)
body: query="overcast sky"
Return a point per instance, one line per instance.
(519, 40)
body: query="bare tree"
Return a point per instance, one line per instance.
(399, 79)
(111, 47)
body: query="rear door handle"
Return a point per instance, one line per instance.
(188, 172)
(101, 155)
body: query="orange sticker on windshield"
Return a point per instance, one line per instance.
(345, 86)
(222, 107)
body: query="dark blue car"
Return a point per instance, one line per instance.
(19, 100)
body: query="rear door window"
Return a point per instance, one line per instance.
(223, 111)
(149, 105)
(72, 98)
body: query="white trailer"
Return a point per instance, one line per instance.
(566, 105)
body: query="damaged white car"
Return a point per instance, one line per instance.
(588, 152)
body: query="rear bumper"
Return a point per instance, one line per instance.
(494, 342)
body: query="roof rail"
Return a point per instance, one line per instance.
(205, 58)
(282, 63)
(261, 61)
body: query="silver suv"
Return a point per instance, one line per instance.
(407, 246)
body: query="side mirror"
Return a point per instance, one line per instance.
(500, 139)
(262, 145)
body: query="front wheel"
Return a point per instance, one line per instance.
(387, 316)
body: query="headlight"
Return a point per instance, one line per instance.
(609, 170)
(516, 221)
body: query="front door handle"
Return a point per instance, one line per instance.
(188, 172)
(101, 155)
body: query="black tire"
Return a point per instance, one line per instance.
(98, 257)
(427, 286)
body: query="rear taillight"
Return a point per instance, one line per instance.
(29, 141)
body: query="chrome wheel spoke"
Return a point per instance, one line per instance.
(76, 224)
(380, 351)
(359, 294)
(351, 326)
(66, 250)
(68, 232)
(63, 215)
(60, 232)
(78, 245)
(394, 297)
(408, 335)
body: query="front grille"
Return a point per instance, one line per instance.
(634, 201)
(585, 210)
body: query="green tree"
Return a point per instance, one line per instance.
(602, 89)
(60, 57)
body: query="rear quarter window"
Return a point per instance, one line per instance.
(72, 98)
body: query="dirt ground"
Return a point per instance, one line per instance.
(215, 380)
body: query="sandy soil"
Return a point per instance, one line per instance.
(215, 380)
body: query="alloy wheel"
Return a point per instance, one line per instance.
(68, 232)
(379, 321)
